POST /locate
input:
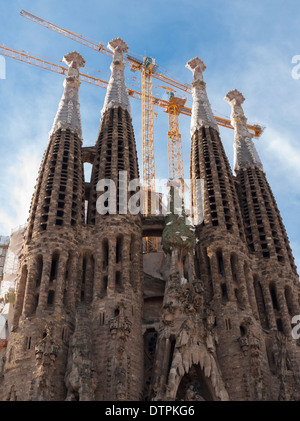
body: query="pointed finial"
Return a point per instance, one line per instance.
(244, 149)
(74, 61)
(117, 93)
(202, 115)
(68, 113)
(118, 45)
(235, 96)
(197, 66)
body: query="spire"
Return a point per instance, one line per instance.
(68, 113)
(117, 94)
(244, 149)
(202, 114)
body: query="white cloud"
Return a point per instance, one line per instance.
(20, 182)
(282, 154)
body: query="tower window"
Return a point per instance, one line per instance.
(279, 325)
(274, 297)
(53, 270)
(50, 299)
(105, 251)
(224, 292)
(119, 249)
(220, 263)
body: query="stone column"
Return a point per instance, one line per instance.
(30, 288)
(89, 278)
(228, 275)
(60, 281)
(126, 260)
(47, 261)
(242, 282)
(215, 276)
(73, 275)
(284, 314)
(20, 294)
(111, 269)
(98, 273)
(165, 365)
(251, 293)
(269, 306)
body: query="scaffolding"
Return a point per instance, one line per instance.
(4, 243)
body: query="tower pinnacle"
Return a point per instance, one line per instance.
(117, 94)
(202, 114)
(244, 149)
(68, 113)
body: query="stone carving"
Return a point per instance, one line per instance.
(192, 395)
(47, 347)
(211, 336)
(120, 324)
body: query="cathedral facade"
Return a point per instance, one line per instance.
(206, 317)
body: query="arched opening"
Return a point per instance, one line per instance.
(119, 248)
(54, 264)
(50, 298)
(118, 282)
(150, 338)
(260, 303)
(87, 170)
(288, 298)
(104, 285)
(220, 262)
(39, 269)
(274, 296)
(243, 330)
(195, 386)
(233, 264)
(224, 293)
(105, 251)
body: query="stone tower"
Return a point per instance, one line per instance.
(47, 285)
(107, 337)
(116, 308)
(225, 332)
(271, 271)
(206, 317)
(76, 331)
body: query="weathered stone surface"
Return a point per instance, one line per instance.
(209, 318)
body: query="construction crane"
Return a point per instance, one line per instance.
(149, 70)
(175, 160)
(148, 133)
(173, 107)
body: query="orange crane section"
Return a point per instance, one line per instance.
(255, 129)
(135, 64)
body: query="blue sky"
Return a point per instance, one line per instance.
(245, 45)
